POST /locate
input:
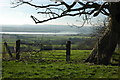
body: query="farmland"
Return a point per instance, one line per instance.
(55, 41)
(50, 62)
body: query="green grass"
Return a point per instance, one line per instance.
(13, 69)
(55, 66)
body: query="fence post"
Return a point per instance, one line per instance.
(7, 47)
(18, 49)
(68, 46)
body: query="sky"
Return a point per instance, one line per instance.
(21, 15)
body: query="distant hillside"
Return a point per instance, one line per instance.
(46, 28)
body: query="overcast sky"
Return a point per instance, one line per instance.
(21, 15)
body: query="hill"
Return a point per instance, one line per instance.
(47, 28)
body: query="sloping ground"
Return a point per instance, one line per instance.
(53, 68)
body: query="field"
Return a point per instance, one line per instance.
(52, 64)
(57, 42)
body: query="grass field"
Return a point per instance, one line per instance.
(52, 64)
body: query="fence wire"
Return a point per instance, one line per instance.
(33, 51)
(41, 51)
(38, 49)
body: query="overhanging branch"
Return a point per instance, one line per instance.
(69, 9)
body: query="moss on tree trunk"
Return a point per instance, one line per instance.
(105, 47)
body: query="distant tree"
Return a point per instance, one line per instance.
(103, 51)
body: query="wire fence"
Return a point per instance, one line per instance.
(26, 50)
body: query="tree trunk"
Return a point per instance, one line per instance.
(104, 50)
(105, 47)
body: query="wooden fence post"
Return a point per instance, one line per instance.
(8, 50)
(68, 46)
(18, 49)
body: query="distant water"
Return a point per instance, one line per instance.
(45, 33)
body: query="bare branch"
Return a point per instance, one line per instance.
(35, 19)
(99, 10)
(105, 13)
(49, 13)
(36, 6)
(17, 5)
(69, 9)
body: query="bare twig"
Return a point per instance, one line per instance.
(89, 8)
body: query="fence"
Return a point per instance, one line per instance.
(36, 52)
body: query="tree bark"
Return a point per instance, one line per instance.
(105, 47)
